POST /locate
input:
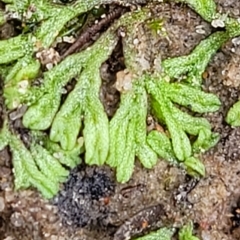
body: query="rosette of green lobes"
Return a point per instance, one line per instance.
(44, 106)
(83, 104)
(193, 65)
(39, 166)
(128, 134)
(49, 20)
(179, 124)
(42, 112)
(36, 167)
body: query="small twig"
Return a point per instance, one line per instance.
(93, 30)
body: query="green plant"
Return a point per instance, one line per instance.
(185, 232)
(80, 124)
(40, 165)
(233, 116)
(128, 134)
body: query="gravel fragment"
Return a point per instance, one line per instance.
(17, 219)
(9, 195)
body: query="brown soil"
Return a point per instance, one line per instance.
(208, 202)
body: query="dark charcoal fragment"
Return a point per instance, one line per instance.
(82, 201)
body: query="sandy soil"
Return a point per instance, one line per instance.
(104, 204)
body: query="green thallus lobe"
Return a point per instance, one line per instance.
(37, 165)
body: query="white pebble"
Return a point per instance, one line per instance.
(218, 23)
(135, 41)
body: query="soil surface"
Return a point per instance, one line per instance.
(104, 205)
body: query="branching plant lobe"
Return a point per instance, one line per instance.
(79, 125)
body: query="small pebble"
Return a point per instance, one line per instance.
(17, 219)
(9, 195)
